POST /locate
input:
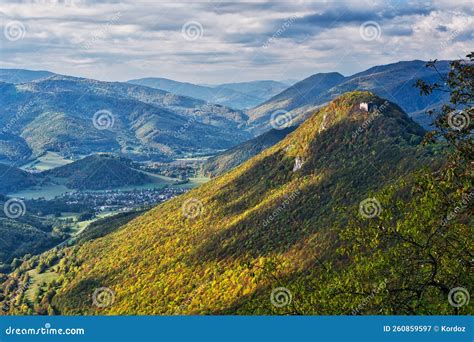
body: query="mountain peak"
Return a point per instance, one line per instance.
(325, 75)
(355, 118)
(352, 103)
(355, 96)
(275, 204)
(351, 106)
(111, 171)
(17, 76)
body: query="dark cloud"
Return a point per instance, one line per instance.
(442, 28)
(344, 15)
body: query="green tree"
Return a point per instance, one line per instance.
(416, 255)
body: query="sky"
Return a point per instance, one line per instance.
(212, 42)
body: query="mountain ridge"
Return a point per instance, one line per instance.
(99, 172)
(57, 114)
(234, 95)
(13, 179)
(394, 81)
(23, 75)
(207, 250)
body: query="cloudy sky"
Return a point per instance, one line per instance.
(220, 41)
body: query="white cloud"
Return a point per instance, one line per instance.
(119, 40)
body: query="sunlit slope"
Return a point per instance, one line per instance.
(239, 154)
(221, 248)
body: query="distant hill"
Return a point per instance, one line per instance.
(13, 179)
(19, 238)
(99, 172)
(22, 234)
(239, 154)
(234, 95)
(396, 82)
(22, 75)
(13, 148)
(223, 247)
(302, 96)
(302, 92)
(63, 114)
(95, 172)
(392, 81)
(259, 90)
(55, 114)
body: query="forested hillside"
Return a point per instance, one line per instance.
(235, 156)
(12, 179)
(358, 211)
(100, 171)
(76, 116)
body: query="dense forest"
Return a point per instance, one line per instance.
(357, 211)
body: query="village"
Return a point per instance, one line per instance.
(120, 200)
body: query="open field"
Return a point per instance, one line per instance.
(49, 191)
(193, 182)
(48, 161)
(38, 279)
